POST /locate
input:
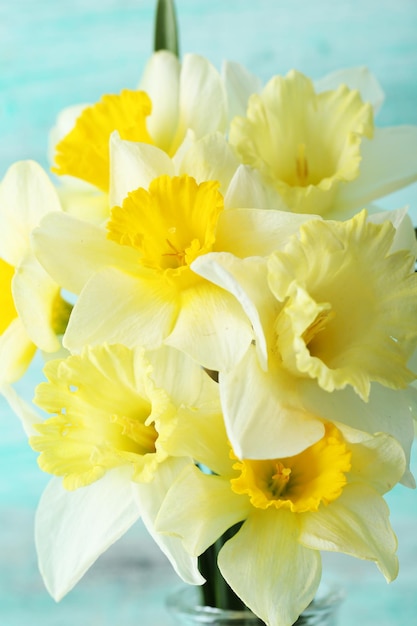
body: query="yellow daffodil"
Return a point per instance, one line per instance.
(32, 310)
(111, 441)
(320, 151)
(138, 273)
(335, 306)
(327, 497)
(168, 104)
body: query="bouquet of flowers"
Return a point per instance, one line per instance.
(230, 326)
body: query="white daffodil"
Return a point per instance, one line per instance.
(319, 151)
(111, 441)
(335, 306)
(328, 497)
(32, 310)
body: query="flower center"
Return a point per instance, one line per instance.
(102, 416)
(301, 166)
(7, 309)
(171, 224)
(299, 483)
(340, 322)
(303, 143)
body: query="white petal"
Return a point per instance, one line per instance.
(150, 497)
(202, 97)
(134, 165)
(213, 509)
(72, 250)
(388, 163)
(16, 352)
(247, 190)
(24, 411)
(240, 84)
(387, 410)
(115, 307)
(73, 528)
(26, 195)
(405, 236)
(269, 569)
(211, 327)
(247, 281)
(357, 523)
(182, 377)
(261, 414)
(210, 158)
(256, 232)
(160, 80)
(355, 78)
(35, 293)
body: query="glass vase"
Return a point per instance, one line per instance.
(185, 607)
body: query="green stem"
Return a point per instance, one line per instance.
(216, 591)
(166, 28)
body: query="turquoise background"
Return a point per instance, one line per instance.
(53, 54)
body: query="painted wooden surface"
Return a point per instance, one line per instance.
(53, 54)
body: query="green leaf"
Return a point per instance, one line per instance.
(166, 29)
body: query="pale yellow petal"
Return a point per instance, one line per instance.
(257, 402)
(264, 563)
(26, 195)
(250, 232)
(134, 165)
(360, 78)
(202, 104)
(27, 414)
(240, 84)
(72, 529)
(210, 158)
(115, 307)
(377, 460)
(183, 378)
(200, 434)
(150, 498)
(246, 280)
(388, 163)
(72, 250)
(387, 410)
(211, 327)
(247, 190)
(160, 80)
(16, 351)
(356, 524)
(38, 301)
(213, 509)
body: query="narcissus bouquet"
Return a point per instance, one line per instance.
(230, 325)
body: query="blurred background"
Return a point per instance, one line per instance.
(53, 54)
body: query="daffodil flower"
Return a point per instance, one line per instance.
(110, 441)
(166, 106)
(328, 497)
(32, 311)
(335, 306)
(138, 273)
(320, 151)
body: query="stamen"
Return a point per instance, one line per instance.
(280, 479)
(175, 253)
(318, 325)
